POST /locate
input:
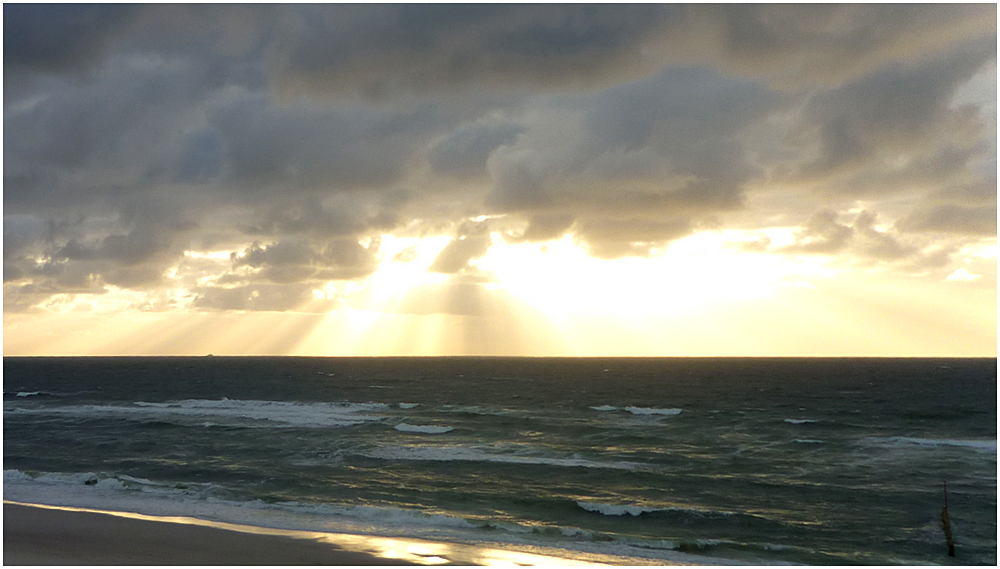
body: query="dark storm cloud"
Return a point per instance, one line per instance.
(381, 50)
(385, 51)
(83, 143)
(266, 144)
(45, 38)
(801, 45)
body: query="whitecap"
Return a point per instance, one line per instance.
(983, 445)
(408, 405)
(800, 421)
(605, 408)
(614, 509)
(239, 412)
(12, 475)
(651, 411)
(428, 429)
(472, 454)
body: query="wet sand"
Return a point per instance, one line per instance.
(34, 534)
(42, 536)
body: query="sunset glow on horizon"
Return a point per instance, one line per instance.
(375, 180)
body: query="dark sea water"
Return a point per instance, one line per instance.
(817, 461)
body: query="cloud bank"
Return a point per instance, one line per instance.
(291, 138)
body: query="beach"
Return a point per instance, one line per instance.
(46, 536)
(35, 534)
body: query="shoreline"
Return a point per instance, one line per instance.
(38, 534)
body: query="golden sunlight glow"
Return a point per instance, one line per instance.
(704, 295)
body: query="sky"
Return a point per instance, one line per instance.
(536, 180)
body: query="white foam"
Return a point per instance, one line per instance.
(800, 421)
(650, 411)
(12, 476)
(615, 509)
(473, 454)
(408, 405)
(639, 410)
(428, 429)
(983, 445)
(28, 393)
(124, 493)
(236, 412)
(206, 502)
(808, 441)
(380, 514)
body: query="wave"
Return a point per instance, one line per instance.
(118, 492)
(408, 405)
(615, 509)
(651, 411)
(123, 492)
(428, 429)
(99, 481)
(618, 510)
(231, 412)
(24, 394)
(808, 441)
(473, 454)
(639, 410)
(982, 445)
(689, 517)
(800, 421)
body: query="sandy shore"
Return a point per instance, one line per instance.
(47, 535)
(42, 536)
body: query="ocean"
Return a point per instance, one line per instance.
(632, 460)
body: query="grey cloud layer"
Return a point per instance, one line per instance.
(290, 135)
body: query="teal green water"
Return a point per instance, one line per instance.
(819, 461)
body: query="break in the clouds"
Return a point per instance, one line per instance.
(291, 138)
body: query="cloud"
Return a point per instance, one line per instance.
(386, 52)
(611, 239)
(297, 261)
(952, 219)
(655, 156)
(42, 38)
(256, 297)
(290, 135)
(464, 152)
(268, 145)
(899, 112)
(472, 242)
(546, 227)
(824, 235)
(799, 46)
(383, 51)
